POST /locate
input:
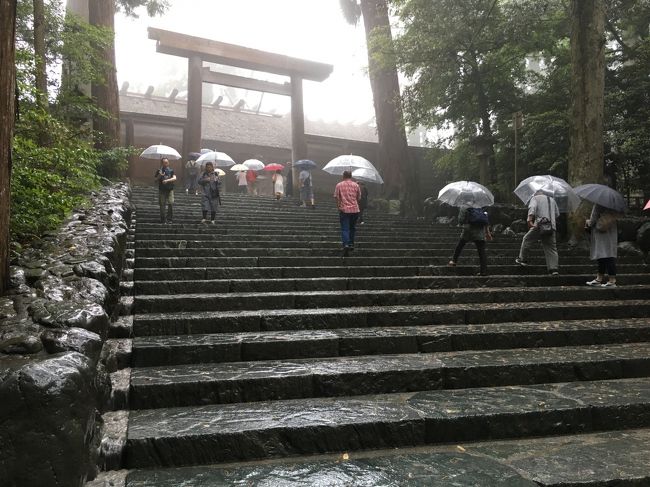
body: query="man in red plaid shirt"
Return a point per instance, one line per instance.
(347, 194)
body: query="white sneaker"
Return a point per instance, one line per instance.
(213, 222)
(594, 283)
(204, 221)
(608, 284)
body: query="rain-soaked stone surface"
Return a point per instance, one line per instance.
(182, 436)
(371, 374)
(54, 319)
(601, 459)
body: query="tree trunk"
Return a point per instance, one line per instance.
(399, 171)
(586, 153)
(485, 148)
(7, 112)
(40, 71)
(102, 14)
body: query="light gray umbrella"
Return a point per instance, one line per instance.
(367, 175)
(253, 164)
(466, 193)
(602, 195)
(219, 159)
(159, 151)
(557, 188)
(350, 162)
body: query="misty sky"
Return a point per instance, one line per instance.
(307, 29)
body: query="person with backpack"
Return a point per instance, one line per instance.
(476, 229)
(542, 215)
(211, 197)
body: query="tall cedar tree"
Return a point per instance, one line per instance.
(7, 112)
(587, 153)
(102, 14)
(400, 173)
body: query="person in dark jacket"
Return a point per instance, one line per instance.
(363, 201)
(472, 232)
(288, 192)
(165, 177)
(211, 197)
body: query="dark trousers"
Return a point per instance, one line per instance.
(348, 224)
(480, 247)
(607, 266)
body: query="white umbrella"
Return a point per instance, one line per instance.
(368, 175)
(254, 164)
(557, 188)
(466, 193)
(340, 164)
(238, 167)
(219, 159)
(159, 151)
(219, 172)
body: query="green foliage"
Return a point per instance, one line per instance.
(50, 177)
(465, 58)
(351, 11)
(113, 163)
(154, 7)
(48, 182)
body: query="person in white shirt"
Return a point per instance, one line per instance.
(542, 211)
(242, 184)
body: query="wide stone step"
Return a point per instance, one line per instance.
(180, 286)
(236, 347)
(197, 384)
(353, 260)
(143, 244)
(232, 432)
(360, 250)
(175, 323)
(401, 297)
(306, 272)
(270, 233)
(589, 460)
(211, 234)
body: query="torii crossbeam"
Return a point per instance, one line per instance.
(198, 50)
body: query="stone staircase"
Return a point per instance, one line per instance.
(256, 342)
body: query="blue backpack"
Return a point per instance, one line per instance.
(476, 216)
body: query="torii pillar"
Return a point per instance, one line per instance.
(198, 50)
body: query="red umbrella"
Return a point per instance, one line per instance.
(274, 167)
(647, 206)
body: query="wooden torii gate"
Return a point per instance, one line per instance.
(198, 50)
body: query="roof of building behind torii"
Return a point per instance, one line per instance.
(245, 127)
(184, 45)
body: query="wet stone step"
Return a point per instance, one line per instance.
(360, 283)
(197, 384)
(589, 460)
(335, 251)
(173, 323)
(309, 261)
(207, 234)
(307, 244)
(217, 433)
(234, 347)
(147, 274)
(330, 299)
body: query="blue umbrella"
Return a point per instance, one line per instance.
(602, 195)
(305, 164)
